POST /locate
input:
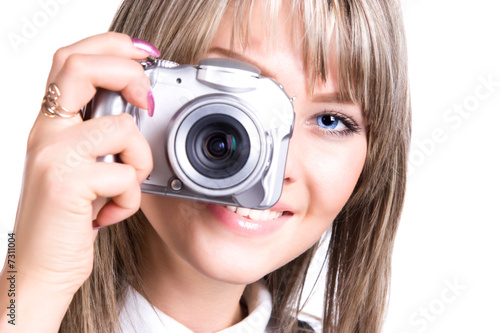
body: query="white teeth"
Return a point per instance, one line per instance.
(275, 215)
(255, 214)
(243, 211)
(231, 208)
(266, 214)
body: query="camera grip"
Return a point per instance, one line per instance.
(107, 103)
(109, 159)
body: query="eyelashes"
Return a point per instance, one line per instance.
(335, 124)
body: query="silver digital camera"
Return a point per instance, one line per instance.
(219, 134)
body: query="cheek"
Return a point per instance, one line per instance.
(326, 174)
(332, 176)
(171, 217)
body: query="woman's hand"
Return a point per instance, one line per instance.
(55, 226)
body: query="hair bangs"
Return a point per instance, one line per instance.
(315, 29)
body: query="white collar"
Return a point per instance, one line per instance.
(138, 315)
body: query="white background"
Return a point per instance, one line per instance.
(446, 263)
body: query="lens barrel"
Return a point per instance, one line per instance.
(217, 146)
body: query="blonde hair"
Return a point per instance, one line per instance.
(371, 54)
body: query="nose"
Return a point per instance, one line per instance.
(293, 164)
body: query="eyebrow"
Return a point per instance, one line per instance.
(231, 54)
(333, 97)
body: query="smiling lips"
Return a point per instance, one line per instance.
(250, 222)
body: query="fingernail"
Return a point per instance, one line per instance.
(151, 103)
(146, 47)
(95, 226)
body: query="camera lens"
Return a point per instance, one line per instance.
(209, 148)
(217, 146)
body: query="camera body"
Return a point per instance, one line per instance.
(220, 131)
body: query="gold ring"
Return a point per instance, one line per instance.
(50, 106)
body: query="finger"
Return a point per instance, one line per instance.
(114, 212)
(83, 73)
(119, 183)
(97, 205)
(109, 43)
(81, 144)
(111, 135)
(78, 79)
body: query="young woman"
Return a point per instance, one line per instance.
(178, 265)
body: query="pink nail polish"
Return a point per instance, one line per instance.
(146, 47)
(151, 103)
(95, 226)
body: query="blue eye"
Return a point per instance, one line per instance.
(329, 122)
(334, 123)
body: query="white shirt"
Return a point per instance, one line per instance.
(139, 316)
